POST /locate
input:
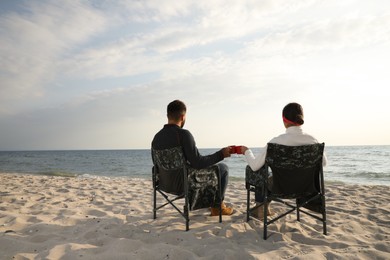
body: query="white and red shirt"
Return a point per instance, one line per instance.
(294, 136)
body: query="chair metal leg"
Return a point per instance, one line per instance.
(298, 215)
(187, 217)
(324, 225)
(220, 200)
(247, 204)
(265, 219)
(154, 203)
(220, 212)
(186, 207)
(220, 196)
(324, 215)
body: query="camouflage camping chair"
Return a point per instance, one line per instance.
(174, 180)
(297, 181)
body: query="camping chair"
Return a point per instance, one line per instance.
(296, 174)
(173, 177)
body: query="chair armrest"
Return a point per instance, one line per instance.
(207, 176)
(203, 187)
(255, 178)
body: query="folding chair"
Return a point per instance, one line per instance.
(173, 177)
(297, 174)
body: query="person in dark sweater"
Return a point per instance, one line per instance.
(173, 134)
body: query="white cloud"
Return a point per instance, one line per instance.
(35, 39)
(138, 53)
(325, 35)
(149, 10)
(242, 60)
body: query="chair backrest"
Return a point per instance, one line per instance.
(296, 170)
(169, 169)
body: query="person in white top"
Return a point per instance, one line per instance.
(293, 120)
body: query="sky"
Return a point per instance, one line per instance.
(99, 74)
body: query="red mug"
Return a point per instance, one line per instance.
(236, 149)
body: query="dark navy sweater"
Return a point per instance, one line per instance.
(172, 135)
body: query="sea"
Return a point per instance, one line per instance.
(346, 164)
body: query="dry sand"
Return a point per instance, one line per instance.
(46, 217)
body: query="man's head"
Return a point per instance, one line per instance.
(293, 115)
(176, 113)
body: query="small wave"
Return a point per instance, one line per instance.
(58, 174)
(237, 178)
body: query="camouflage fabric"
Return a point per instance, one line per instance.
(255, 178)
(203, 184)
(295, 169)
(294, 157)
(203, 189)
(169, 159)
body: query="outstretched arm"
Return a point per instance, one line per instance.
(255, 162)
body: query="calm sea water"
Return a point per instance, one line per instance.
(349, 164)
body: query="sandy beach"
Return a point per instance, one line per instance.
(46, 217)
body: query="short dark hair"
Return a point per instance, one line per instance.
(294, 113)
(176, 109)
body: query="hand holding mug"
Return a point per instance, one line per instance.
(227, 151)
(243, 149)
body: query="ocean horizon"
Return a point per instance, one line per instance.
(360, 164)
